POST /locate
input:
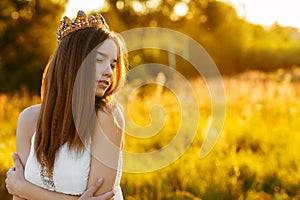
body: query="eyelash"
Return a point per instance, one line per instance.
(113, 66)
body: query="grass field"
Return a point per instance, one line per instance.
(257, 156)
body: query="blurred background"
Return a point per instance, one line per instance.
(257, 156)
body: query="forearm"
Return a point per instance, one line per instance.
(17, 198)
(33, 192)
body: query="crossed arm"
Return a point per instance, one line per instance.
(22, 189)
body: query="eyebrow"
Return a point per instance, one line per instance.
(105, 55)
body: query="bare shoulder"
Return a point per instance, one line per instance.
(30, 114)
(28, 118)
(111, 123)
(119, 117)
(25, 129)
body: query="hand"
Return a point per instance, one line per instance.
(15, 176)
(88, 194)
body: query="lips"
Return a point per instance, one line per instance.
(103, 83)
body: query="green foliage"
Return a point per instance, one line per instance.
(256, 158)
(27, 39)
(27, 32)
(233, 43)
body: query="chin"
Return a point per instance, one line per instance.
(99, 93)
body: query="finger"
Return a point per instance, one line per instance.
(7, 186)
(13, 168)
(107, 195)
(93, 188)
(17, 161)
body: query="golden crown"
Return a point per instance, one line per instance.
(68, 26)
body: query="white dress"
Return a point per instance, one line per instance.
(70, 172)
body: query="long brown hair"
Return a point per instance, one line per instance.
(67, 113)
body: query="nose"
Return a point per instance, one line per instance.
(108, 71)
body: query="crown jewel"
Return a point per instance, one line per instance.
(68, 26)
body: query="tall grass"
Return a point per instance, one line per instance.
(257, 156)
(10, 108)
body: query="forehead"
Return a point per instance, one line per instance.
(109, 48)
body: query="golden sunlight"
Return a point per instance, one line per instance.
(181, 9)
(268, 12)
(87, 6)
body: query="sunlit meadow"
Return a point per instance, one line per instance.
(257, 156)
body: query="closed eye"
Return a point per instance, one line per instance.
(99, 59)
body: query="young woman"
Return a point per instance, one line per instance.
(75, 135)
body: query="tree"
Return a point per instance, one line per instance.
(234, 44)
(27, 31)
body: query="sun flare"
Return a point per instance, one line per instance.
(88, 5)
(268, 12)
(181, 9)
